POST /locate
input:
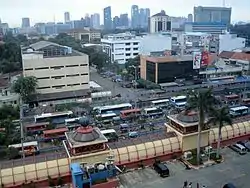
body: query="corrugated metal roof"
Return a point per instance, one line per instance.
(42, 44)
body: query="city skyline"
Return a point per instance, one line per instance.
(50, 10)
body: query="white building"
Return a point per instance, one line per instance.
(160, 22)
(121, 47)
(155, 43)
(229, 42)
(61, 73)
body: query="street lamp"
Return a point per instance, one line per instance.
(135, 84)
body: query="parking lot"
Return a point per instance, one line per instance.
(235, 169)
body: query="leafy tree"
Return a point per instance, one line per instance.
(9, 112)
(12, 153)
(25, 86)
(131, 63)
(9, 66)
(66, 40)
(219, 117)
(203, 102)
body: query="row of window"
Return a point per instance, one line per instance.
(128, 54)
(134, 43)
(62, 76)
(62, 86)
(56, 67)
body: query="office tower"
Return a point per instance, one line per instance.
(25, 22)
(144, 15)
(134, 16)
(160, 22)
(212, 14)
(87, 20)
(190, 17)
(107, 18)
(95, 21)
(116, 22)
(124, 20)
(66, 17)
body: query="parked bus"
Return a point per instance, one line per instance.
(246, 102)
(71, 120)
(163, 103)
(179, 101)
(150, 112)
(106, 118)
(223, 78)
(231, 99)
(129, 114)
(48, 135)
(118, 107)
(110, 134)
(36, 128)
(30, 148)
(239, 111)
(54, 118)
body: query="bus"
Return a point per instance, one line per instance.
(117, 107)
(129, 114)
(163, 103)
(246, 102)
(36, 128)
(238, 111)
(110, 134)
(30, 148)
(54, 118)
(223, 78)
(231, 98)
(106, 118)
(71, 120)
(154, 111)
(179, 101)
(48, 135)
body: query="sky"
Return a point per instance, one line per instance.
(11, 11)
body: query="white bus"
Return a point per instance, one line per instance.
(163, 103)
(117, 107)
(110, 134)
(179, 101)
(54, 118)
(154, 111)
(30, 148)
(106, 118)
(239, 111)
(71, 120)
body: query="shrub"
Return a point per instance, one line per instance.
(51, 182)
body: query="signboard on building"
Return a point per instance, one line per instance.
(204, 58)
(197, 60)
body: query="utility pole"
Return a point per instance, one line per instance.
(21, 125)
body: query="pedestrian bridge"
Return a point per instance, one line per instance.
(40, 169)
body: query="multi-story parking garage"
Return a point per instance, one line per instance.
(180, 136)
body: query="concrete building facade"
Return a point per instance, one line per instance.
(86, 35)
(160, 22)
(205, 27)
(121, 47)
(61, 73)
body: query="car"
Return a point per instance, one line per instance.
(239, 149)
(161, 169)
(246, 144)
(229, 185)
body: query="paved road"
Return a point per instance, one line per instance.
(235, 169)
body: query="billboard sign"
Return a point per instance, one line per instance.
(204, 58)
(197, 60)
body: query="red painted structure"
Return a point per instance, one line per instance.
(37, 127)
(54, 133)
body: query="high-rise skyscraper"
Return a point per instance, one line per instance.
(135, 16)
(144, 15)
(116, 22)
(124, 20)
(87, 20)
(107, 18)
(66, 17)
(95, 21)
(212, 14)
(190, 17)
(25, 22)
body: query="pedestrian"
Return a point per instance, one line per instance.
(185, 184)
(190, 185)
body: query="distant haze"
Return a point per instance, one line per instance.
(11, 11)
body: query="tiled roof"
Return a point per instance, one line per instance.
(241, 56)
(42, 44)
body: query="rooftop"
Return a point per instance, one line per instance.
(235, 55)
(166, 59)
(42, 44)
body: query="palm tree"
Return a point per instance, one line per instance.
(203, 102)
(221, 117)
